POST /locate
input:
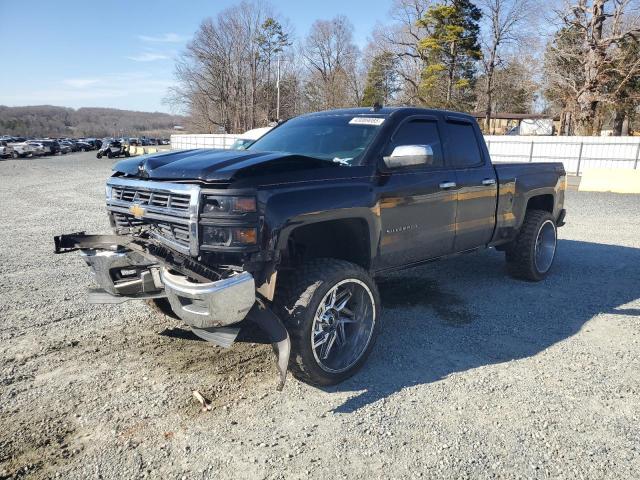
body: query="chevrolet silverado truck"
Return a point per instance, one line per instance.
(291, 233)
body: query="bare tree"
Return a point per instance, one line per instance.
(504, 26)
(401, 38)
(331, 58)
(590, 42)
(224, 77)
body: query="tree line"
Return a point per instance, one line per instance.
(579, 61)
(51, 121)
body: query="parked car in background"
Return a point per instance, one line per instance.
(22, 149)
(52, 147)
(248, 137)
(38, 148)
(84, 146)
(65, 147)
(165, 141)
(6, 150)
(94, 142)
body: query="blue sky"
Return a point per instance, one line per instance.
(120, 53)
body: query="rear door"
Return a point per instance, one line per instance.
(476, 183)
(417, 204)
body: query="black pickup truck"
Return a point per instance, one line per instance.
(290, 233)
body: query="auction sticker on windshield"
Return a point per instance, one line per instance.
(366, 121)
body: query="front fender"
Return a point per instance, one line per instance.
(294, 206)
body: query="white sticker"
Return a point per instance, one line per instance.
(373, 121)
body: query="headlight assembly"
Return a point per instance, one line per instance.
(223, 205)
(228, 221)
(213, 236)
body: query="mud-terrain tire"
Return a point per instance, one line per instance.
(300, 298)
(161, 306)
(530, 256)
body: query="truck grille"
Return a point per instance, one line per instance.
(174, 201)
(169, 211)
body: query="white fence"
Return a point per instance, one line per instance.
(181, 142)
(576, 153)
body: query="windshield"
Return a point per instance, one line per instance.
(339, 138)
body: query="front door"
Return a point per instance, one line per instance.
(417, 204)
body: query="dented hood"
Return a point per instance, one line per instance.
(215, 165)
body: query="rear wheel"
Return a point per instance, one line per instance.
(332, 311)
(14, 154)
(109, 154)
(530, 256)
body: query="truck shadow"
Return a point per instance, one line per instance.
(465, 313)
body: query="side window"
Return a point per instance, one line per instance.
(462, 148)
(419, 132)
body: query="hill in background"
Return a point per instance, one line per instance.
(50, 121)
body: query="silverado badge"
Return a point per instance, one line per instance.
(137, 211)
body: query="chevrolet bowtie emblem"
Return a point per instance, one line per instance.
(137, 211)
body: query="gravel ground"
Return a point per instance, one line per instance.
(475, 375)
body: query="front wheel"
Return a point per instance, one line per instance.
(99, 155)
(332, 311)
(531, 254)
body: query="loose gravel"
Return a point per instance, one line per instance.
(475, 375)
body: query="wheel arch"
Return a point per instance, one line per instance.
(347, 238)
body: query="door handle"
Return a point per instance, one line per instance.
(489, 181)
(447, 185)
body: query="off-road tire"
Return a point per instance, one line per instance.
(98, 155)
(110, 155)
(161, 306)
(298, 295)
(520, 254)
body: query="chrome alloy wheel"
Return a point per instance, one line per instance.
(545, 248)
(343, 325)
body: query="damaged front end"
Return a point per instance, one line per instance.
(158, 256)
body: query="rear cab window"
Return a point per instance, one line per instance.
(463, 150)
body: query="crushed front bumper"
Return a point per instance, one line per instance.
(123, 273)
(128, 268)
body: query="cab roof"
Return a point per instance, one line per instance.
(388, 111)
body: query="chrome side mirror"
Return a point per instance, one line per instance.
(409, 155)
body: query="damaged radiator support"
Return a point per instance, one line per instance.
(156, 253)
(147, 247)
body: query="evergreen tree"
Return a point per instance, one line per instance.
(452, 50)
(272, 40)
(381, 80)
